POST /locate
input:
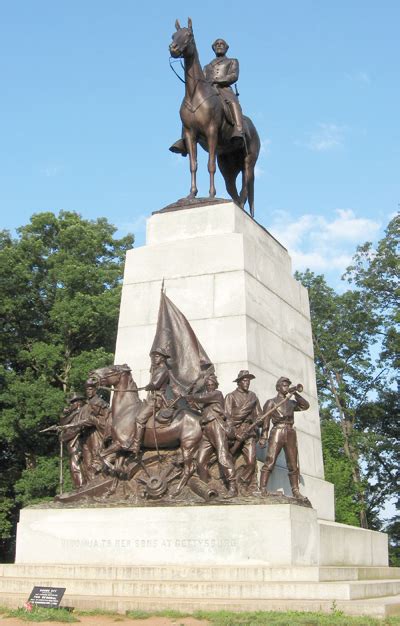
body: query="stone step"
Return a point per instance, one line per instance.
(374, 607)
(201, 573)
(219, 590)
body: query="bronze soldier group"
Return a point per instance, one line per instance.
(85, 429)
(231, 428)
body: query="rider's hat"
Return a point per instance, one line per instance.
(220, 39)
(160, 351)
(243, 374)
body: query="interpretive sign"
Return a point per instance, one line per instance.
(49, 597)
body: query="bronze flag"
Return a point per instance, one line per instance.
(188, 362)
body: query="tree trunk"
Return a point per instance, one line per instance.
(30, 460)
(346, 425)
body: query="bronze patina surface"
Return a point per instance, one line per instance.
(184, 444)
(212, 117)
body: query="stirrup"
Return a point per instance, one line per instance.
(179, 147)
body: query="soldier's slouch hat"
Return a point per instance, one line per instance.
(160, 351)
(243, 374)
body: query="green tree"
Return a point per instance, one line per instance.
(356, 344)
(60, 280)
(343, 331)
(375, 272)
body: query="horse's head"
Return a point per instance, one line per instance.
(108, 376)
(182, 41)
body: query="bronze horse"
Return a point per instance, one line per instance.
(184, 431)
(204, 122)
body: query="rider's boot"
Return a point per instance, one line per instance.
(264, 476)
(179, 147)
(236, 110)
(138, 438)
(294, 483)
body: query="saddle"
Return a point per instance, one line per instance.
(228, 113)
(164, 416)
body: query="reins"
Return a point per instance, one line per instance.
(174, 71)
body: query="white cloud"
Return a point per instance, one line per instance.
(50, 171)
(265, 146)
(320, 243)
(349, 227)
(362, 77)
(258, 171)
(138, 225)
(326, 137)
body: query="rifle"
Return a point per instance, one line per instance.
(246, 434)
(59, 428)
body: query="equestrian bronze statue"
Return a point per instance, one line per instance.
(211, 116)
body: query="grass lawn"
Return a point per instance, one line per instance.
(216, 618)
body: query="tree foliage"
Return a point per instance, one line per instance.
(356, 345)
(60, 280)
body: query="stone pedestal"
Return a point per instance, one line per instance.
(214, 535)
(281, 535)
(234, 283)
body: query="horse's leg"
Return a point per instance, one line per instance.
(247, 192)
(212, 148)
(250, 189)
(114, 447)
(191, 145)
(243, 191)
(229, 171)
(249, 165)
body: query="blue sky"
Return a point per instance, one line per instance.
(89, 108)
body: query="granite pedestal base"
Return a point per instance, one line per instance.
(269, 535)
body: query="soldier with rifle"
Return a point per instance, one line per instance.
(95, 419)
(71, 436)
(70, 431)
(280, 411)
(243, 407)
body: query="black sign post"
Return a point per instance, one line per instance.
(49, 597)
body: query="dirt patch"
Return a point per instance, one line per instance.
(113, 620)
